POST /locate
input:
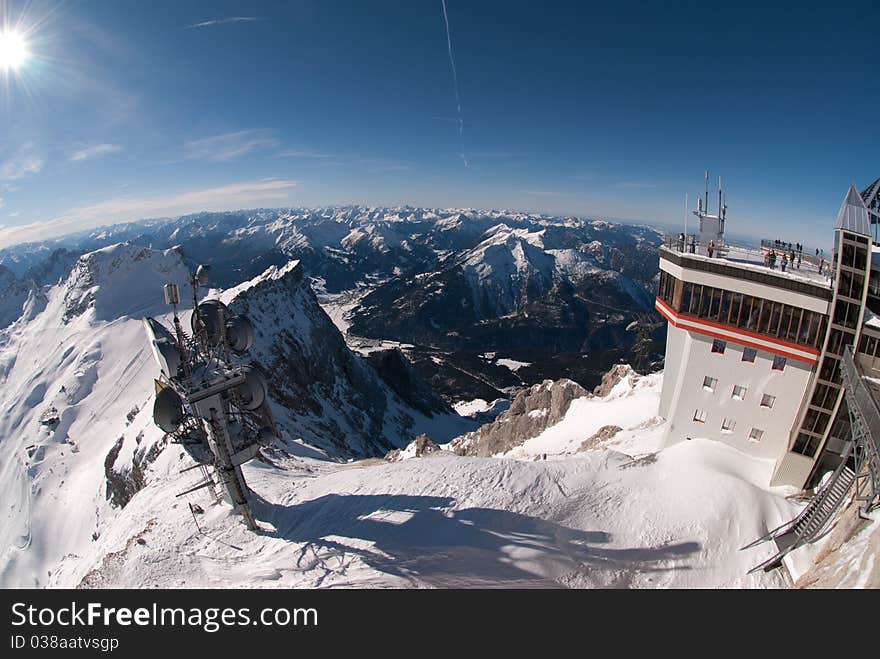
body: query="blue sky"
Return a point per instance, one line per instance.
(130, 109)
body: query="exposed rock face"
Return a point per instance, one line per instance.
(613, 377)
(604, 433)
(326, 394)
(532, 411)
(13, 296)
(417, 448)
(125, 478)
(398, 373)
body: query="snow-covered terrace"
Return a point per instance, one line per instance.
(751, 258)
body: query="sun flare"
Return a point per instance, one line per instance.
(13, 50)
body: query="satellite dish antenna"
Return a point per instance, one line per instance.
(165, 350)
(253, 390)
(168, 409)
(239, 334)
(212, 314)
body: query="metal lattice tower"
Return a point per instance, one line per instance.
(207, 400)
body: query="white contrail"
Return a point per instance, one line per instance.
(455, 84)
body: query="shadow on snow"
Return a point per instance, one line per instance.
(423, 540)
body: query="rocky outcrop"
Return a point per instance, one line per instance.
(533, 410)
(13, 296)
(325, 394)
(613, 377)
(417, 448)
(603, 434)
(127, 478)
(394, 368)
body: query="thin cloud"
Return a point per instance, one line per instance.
(94, 151)
(126, 209)
(464, 159)
(223, 21)
(324, 158)
(229, 146)
(497, 155)
(23, 162)
(547, 193)
(638, 185)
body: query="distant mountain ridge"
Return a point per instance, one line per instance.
(551, 296)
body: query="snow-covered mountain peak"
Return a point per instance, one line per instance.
(122, 280)
(273, 273)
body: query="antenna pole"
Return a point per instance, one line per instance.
(706, 209)
(684, 247)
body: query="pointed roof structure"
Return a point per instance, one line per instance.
(853, 214)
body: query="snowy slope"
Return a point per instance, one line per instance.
(77, 441)
(89, 484)
(82, 360)
(599, 518)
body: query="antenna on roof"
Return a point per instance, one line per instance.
(707, 191)
(685, 219)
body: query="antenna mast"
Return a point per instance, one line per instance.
(707, 192)
(207, 401)
(684, 247)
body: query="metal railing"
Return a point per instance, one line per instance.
(783, 248)
(691, 244)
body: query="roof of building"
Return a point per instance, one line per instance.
(749, 263)
(853, 214)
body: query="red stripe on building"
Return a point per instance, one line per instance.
(706, 327)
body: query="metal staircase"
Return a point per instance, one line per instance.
(864, 417)
(859, 466)
(812, 520)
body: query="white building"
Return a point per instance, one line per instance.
(753, 353)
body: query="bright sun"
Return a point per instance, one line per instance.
(13, 51)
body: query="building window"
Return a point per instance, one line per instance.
(768, 401)
(778, 363)
(739, 392)
(719, 346)
(728, 425)
(749, 354)
(700, 416)
(709, 383)
(755, 435)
